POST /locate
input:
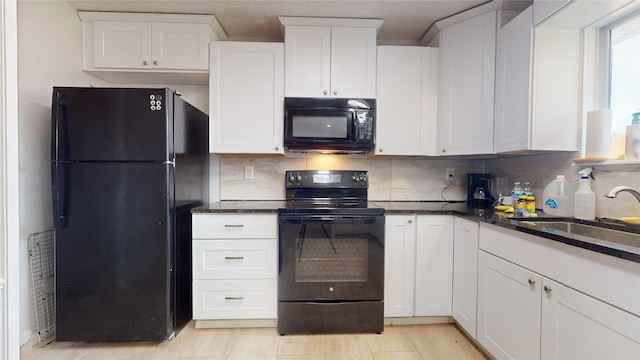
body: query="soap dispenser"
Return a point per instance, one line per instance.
(585, 198)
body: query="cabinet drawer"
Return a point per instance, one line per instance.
(234, 299)
(234, 226)
(235, 259)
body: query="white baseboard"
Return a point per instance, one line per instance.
(25, 336)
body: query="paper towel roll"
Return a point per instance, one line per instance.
(598, 133)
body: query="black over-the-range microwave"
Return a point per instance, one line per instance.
(331, 124)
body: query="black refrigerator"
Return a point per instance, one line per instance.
(127, 167)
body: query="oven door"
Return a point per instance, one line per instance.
(331, 258)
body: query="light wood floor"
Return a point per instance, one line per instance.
(440, 341)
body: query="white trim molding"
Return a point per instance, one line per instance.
(9, 185)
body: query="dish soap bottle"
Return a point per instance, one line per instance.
(585, 198)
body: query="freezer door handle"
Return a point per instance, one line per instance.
(58, 125)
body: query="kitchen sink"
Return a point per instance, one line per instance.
(591, 231)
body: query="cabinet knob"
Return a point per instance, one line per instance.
(155, 62)
(444, 150)
(381, 150)
(144, 62)
(532, 282)
(410, 221)
(547, 289)
(277, 148)
(335, 92)
(325, 92)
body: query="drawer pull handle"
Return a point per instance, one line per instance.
(233, 226)
(234, 257)
(234, 298)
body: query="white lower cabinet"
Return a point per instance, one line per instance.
(578, 326)
(434, 265)
(399, 265)
(525, 314)
(508, 309)
(418, 265)
(465, 274)
(235, 259)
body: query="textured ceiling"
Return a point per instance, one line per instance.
(241, 19)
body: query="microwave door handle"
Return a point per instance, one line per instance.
(354, 123)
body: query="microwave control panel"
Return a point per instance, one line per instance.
(365, 125)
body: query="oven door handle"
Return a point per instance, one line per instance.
(299, 219)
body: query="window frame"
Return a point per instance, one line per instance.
(603, 95)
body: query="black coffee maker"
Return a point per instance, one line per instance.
(478, 189)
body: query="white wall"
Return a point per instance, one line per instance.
(49, 54)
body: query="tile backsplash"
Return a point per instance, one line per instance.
(407, 179)
(389, 179)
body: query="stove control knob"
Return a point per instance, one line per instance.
(299, 178)
(355, 178)
(363, 178)
(291, 178)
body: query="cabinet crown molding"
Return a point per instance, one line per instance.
(87, 16)
(329, 22)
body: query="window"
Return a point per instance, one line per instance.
(621, 47)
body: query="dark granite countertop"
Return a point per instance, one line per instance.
(461, 209)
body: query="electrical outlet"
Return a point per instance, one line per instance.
(450, 174)
(248, 172)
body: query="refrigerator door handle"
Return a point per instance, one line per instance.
(59, 185)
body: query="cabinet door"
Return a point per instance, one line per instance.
(513, 69)
(509, 317)
(434, 265)
(121, 44)
(246, 98)
(180, 46)
(353, 62)
(577, 326)
(399, 262)
(308, 61)
(406, 100)
(466, 86)
(465, 273)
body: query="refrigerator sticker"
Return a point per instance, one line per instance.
(155, 102)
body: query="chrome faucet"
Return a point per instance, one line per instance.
(614, 192)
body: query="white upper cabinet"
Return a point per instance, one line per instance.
(466, 86)
(406, 105)
(330, 57)
(542, 9)
(513, 68)
(537, 87)
(246, 95)
(122, 47)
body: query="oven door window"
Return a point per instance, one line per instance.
(323, 255)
